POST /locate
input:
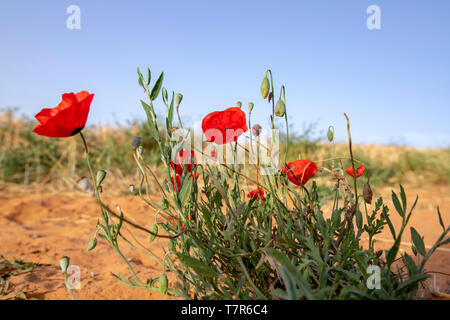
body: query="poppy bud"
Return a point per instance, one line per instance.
(153, 229)
(92, 244)
(64, 263)
(164, 95)
(265, 87)
(330, 134)
(280, 108)
(163, 283)
(238, 104)
(256, 130)
(101, 174)
(178, 99)
(135, 142)
(367, 193)
(250, 107)
(140, 150)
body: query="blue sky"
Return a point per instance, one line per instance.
(394, 83)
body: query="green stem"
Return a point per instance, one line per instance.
(67, 286)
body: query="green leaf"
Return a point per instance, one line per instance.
(170, 114)
(157, 87)
(441, 222)
(397, 204)
(359, 219)
(393, 252)
(151, 122)
(418, 241)
(385, 215)
(149, 76)
(412, 281)
(403, 197)
(410, 264)
(198, 266)
(185, 189)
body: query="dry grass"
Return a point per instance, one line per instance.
(29, 162)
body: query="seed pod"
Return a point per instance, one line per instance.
(265, 87)
(250, 107)
(330, 134)
(163, 283)
(367, 193)
(256, 130)
(280, 108)
(92, 244)
(64, 263)
(178, 99)
(135, 142)
(153, 229)
(101, 174)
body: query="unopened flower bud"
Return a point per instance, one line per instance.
(330, 134)
(238, 104)
(101, 174)
(154, 230)
(163, 283)
(265, 87)
(367, 193)
(178, 99)
(250, 107)
(64, 263)
(280, 108)
(256, 130)
(132, 189)
(135, 142)
(140, 150)
(92, 244)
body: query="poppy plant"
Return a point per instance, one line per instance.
(300, 171)
(359, 171)
(259, 193)
(225, 126)
(67, 119)
(184, 157)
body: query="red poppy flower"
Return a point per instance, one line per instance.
(67, 119)
(300, 171)
(259, 193)
(359, 171)
(176, 187)
(184, 157)
(225, 126)
(175, 222)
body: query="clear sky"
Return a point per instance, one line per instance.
(394, 83)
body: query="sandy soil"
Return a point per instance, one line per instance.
(43, 227)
